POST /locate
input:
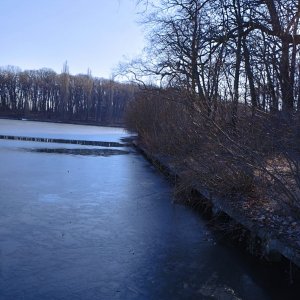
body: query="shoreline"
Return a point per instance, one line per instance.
(263, 239)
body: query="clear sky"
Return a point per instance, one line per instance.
(93, 34)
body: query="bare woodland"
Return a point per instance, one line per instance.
(228, 106)
(45, 95)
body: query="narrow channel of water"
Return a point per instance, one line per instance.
(86, 222)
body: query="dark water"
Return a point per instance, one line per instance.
(81, 222)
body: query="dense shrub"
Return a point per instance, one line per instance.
(257, 157)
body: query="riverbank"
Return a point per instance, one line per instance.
(270, 235)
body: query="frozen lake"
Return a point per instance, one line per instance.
(82, 222)
(60, 131)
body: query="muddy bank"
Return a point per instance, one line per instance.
(269, 235)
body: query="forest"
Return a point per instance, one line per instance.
(220, 97)
(45, 95)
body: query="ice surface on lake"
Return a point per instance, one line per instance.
(61, 131)
(105, 227)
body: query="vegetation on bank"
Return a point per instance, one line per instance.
(257, 160)
(227, 109)
(44, 95)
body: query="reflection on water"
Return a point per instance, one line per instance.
(92, 152)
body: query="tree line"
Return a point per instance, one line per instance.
(44, 94)
(228, 101)
(232, 50)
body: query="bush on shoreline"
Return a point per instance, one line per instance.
(256, 158)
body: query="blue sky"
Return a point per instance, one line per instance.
(93, 34)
